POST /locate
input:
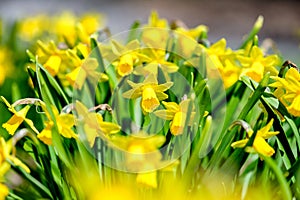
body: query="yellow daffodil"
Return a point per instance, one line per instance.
(259, 144)
(230, 73)
(177, 113)
(6, 65)
(148, 179)
(150, 91)
(3, 191)
(88, 24)
(64, 27)
(188, 39)
(142, 156)
(288, 90)
(156, 58)
(87, 71)
(17, 119)
(155, 33)
(93, 124)
(52, 58)
(32, 27)
(255, 65)
(64, 123)
(5, 154)
(126, 56)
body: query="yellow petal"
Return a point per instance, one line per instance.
(149, 99)
(262, 147)
(53, 64)
(294, 108)
(165, 114)
(46, 135)
(171, 106)
(177, 125)
(91, 134)
(109, 128)
(3, 191)
(240, 143)
(148, 179)
(16, 120)
(125, 65)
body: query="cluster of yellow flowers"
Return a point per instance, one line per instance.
(144, 71)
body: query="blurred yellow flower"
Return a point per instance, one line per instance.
(259, 144)
(155, 33)
(32, 27)
(255, 65)
(188, 39)
(52, 58)
(148, 179)
(93, 124)
(6, 65)
(5, 155)
(142, 155)
(288, 90)
(64, 123)
(3, 191)
(150, 91)
(17, 119)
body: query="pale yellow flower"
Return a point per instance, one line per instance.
(150, 91)
(259, 144)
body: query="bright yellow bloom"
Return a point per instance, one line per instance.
(288, 90)
(64, 123)
(32, 27)
(3, 191)
(259, 144)
(148, 179)
(52, 58)
(256, 64)
(126, 57)
(155, 32)
(64, 27)
(150, 91)
(87, 71)
(188, 39)
(230, 73)
(177, 114)
(6, 65)
(17, 119)
(156, 58)
(5, 154)
(93, 124)
(142, 156)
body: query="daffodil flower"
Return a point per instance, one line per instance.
(177, 113)
(3, 191)
(150, 91)
(93, 124)
(126, 56)
(155, 32)
(5, 154)
(288, 90)
(64, 123)
(51, 57)
(188, 39)
(256, 64)
(87, 71)
(156, 58)
(259, 144)
(142, 155)
(17, 119)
